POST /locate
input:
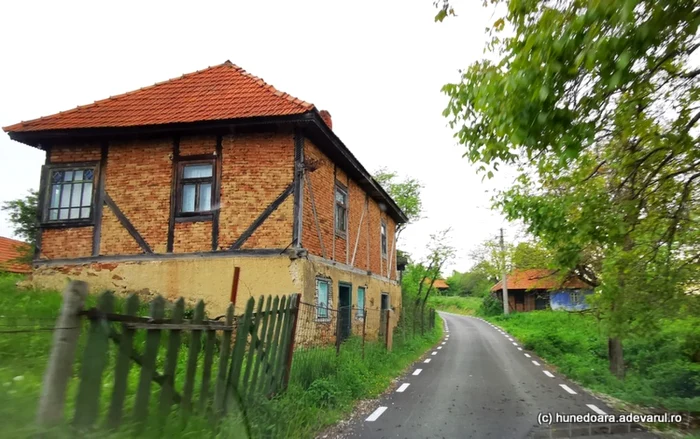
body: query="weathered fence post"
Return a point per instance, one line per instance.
(364, 331)
(337, 332)
(389, 335)
(290, 353)
(63, 346)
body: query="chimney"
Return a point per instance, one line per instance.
(326, 116)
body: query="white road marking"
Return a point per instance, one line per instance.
(527, 355)
(535, 363)
(434, 353)
(403, 387)
(510, 339)
(427, 360)
(417, 371)
(444, 342)
(567, 388)
(515, 344)
(376, 414)
(520, 349)
(439, 347)
(596, 409)
(548, 373)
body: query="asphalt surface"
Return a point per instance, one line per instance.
(478, 384)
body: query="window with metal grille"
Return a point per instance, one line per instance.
(71, 194)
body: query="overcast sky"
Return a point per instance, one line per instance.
(377, 67)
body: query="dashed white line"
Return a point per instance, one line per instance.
(434, 353)
(417, 372)
(548, 373)
(444, 342)
(596, 409)
(535, 363)
(403, 387)
(376, 414)
(567, 388)
(427, 360)
(527, 355)
(515, 344)
(439, 347)
(520, 349)
(510, 339)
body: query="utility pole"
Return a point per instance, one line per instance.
(504, 287)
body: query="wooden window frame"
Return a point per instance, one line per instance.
(360, 315)
(181, 216)
(45, 195)
(384, 238)
(339, 187)
(318, 308)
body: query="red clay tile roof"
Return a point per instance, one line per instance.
(440, 284)
(225, 91)
(539, 278)
(9, 251)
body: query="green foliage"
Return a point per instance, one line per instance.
(23, 216)
(323, 387)
(660, 368)
(490, 307)
(457, 305)
(596, 105)
(406, 193)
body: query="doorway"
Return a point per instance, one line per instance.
(345, 310)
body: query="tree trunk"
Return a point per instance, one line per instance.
(615, 356)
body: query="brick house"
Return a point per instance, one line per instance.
(169, 187)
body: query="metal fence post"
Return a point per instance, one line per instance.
(63, 346)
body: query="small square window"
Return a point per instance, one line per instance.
(196, 188)
(70, 194)
(341, 211)
(322, 299)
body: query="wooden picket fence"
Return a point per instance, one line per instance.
(254, 358)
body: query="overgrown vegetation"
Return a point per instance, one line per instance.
(458, 305)
(662, 366)
(319, 393)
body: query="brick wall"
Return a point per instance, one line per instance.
(256, 170)
(66, 243)
(85, 152)
(138, 179)
(368, 254)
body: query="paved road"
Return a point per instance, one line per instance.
(479, 383)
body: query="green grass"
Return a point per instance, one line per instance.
(660, 367)
(323, 387)
(456, 304)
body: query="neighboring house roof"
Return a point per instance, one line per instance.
(10, 250)
(440, 284)
(225, 91)
(540, 278)
(219, 96)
